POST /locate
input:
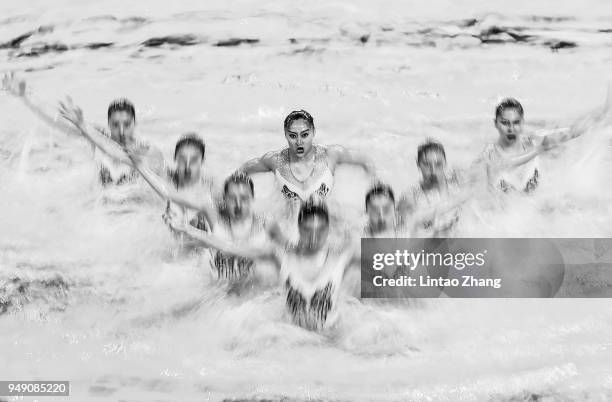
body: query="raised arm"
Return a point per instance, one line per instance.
(508, 162)
(74, 115)
(213, 241)
(111, 148)
(584, 123)
(160, 186)
(17, 88)
(262, 164)
(340, 155)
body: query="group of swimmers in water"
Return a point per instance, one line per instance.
(310, 267)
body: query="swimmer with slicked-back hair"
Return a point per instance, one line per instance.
(186, 178)
(432, 205)
(381, 212)
(303, 168)
(512, 163)
(311, 271)
(114, 165)
(231, 218)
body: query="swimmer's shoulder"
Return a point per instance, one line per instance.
(330, 152)
(489, 153)
(272, 159)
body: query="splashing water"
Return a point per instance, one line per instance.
(98, 296)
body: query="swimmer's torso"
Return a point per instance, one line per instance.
(312, 287)
(319, 183)
(203, 190)
(523, 178)
(230, 267)
(122, 191)
(111, 172)
(443, 224)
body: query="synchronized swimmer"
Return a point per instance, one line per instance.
(311, 268)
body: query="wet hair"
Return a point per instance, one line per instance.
(379, 189)
(122, 105)
(239, 178)
(312, 208)
(190, 139)
(429, 146)
(508, 103)
(297, 115)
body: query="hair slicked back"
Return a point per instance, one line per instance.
(429, 146)
(313, 207)
(508, 103)
(298, 115)
(239, 178)
(379, 189)
(122, 105)
(190, 139)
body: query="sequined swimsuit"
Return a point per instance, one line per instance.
(231, 267)
(313, 304)
(292, 188)
(523, 178)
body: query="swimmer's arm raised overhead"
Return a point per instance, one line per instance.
(262, 164)
(159, 185)
(111, 148)
(339, 155)
(227, 247)
(74, 115)
(16, 87)
(583, 124)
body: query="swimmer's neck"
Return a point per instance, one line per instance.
(183, 184)
(306, 251)
(433, 184)
(240, 221)
(505, 145)
(306, 158)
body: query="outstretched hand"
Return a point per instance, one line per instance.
(602, 115)
(547, 144)
(14, 86)
(70, 112)
(173, 220)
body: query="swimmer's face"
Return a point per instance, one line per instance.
(189, 160)
(299, 136)
(121, 124)
(381, 213)
(238, 200)
(313, 232)
(432, 166)
(509, 124)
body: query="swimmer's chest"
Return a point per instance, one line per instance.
(300, 181)
(309, 275)
(233, 267)
(312, 295)
(114, 172)
(523, 177)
